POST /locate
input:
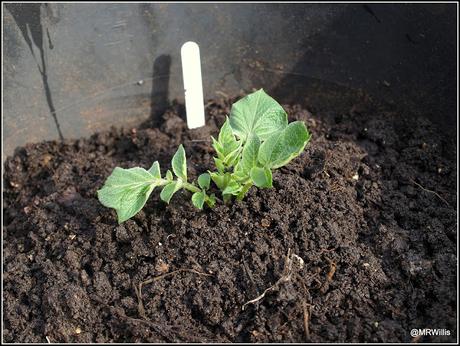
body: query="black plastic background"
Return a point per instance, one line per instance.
(73, 69)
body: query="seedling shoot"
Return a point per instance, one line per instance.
(254, 140)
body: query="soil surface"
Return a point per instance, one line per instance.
(356, 242)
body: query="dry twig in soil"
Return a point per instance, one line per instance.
(306, 319)
(287, 272)
(329, 276)
(431, 191)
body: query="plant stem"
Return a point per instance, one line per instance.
(244, 190)
(190, 187)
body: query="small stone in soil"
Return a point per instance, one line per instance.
(265, 223)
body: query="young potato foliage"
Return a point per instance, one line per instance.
(254, 140)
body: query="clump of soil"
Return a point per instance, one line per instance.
(369, 208)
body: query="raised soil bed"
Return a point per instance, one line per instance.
(370, 208)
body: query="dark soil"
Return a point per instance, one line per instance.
(370, 207)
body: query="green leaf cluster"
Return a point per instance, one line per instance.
(254, 140)
(127, 190)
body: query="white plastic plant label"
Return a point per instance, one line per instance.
(193, 85)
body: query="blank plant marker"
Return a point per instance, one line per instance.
(193, 85)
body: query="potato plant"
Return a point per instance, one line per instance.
(254, 140)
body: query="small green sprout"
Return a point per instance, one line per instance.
(253, 141)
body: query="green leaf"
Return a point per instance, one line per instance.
(248, 159)
(257, 113)
(261, 177)
(169, 190)
(217, 147)
(225, 183)
(232, 188)
(250, 152)
(211, 200)
(232, 158)
(239, 175)
(226, 142)
(179, 163)
(204, 180)
(127, 191)
(283, 146)
(198, 199)
(227, 147)
(220, 180)
(226, 136)
(169, 175)
(219, 165)
(155, 170)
